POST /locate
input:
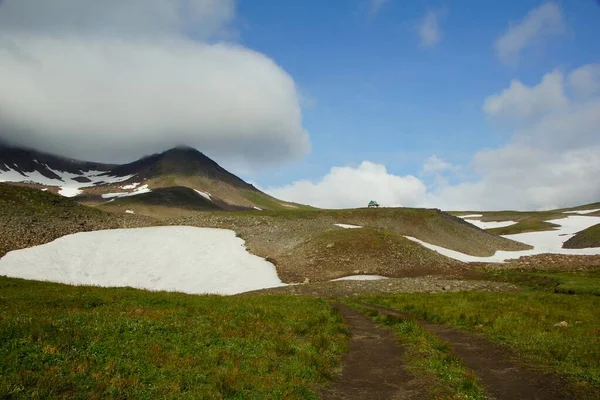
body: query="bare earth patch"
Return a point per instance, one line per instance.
(503, 377)
(373, 366)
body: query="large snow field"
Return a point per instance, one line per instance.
(174, 258)
(542, 242)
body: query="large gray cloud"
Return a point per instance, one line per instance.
(117, 79)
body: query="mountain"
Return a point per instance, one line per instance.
(182, 177)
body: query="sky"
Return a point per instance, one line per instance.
(462, 105)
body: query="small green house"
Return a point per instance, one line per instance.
(373, 204)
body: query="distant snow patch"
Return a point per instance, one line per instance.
(346, 226)
(203, 194)
(256, 208)
(44, 190)
(131, 186)
(173, 258)
(140, 190)
(542, 242)
(69, 191)
(129, 212)
(490, 224)
(360, 278)
(471, 216)
(583, 212)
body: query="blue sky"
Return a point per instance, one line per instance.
(378, 95)
(450, 104)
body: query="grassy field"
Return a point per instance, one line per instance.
(584, 282)
(524, 322)
(59, 341)
(428, 356)
(589, 237)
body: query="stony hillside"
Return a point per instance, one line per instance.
(30, 217)
(301, 243)
(589, 237)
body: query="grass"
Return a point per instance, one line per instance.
(532, 225)
(428, 356)
(584, 282)
(23, 201)
(589, 237)
(59, 341)
(527, 221)
(524, 322)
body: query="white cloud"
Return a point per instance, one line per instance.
(429, 29)
(539, 24)
(520, 101)
(434, 165)
(115, 80)
(585, 81)
(375, 7)
(348, 187)
(552, 160)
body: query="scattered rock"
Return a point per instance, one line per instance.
(561, 324)
(446, 288)
(306, 280)
(330, 245)
(138, 311)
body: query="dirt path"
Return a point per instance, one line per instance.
(503, 378)
(372, 367)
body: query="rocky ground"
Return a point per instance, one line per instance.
(550, 262)
(424, 284)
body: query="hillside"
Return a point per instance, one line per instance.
(527, 221)
(30, 217)
(589, 237)
(96, 183)
(294, 240)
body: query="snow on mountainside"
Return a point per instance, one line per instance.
(70, 176)
(92, 183)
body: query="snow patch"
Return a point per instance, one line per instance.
(360, 278)
(346, 226)
(203, 194)
(172, 258)
(140, 190)
(69, 191)
(256, 208)
(471, 216)
(583, 212)
(491, 224)
(129, 212)
(542, 242)
(131, 186)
